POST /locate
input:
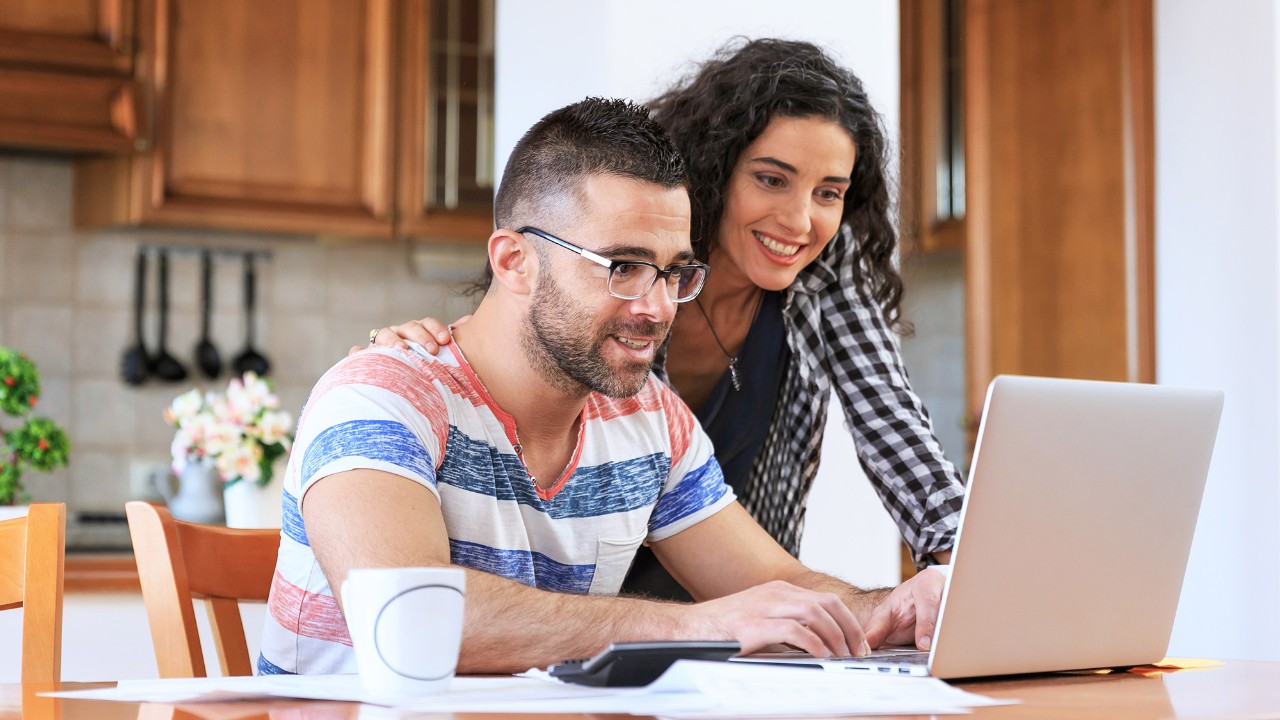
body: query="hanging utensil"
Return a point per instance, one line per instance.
(134, 363)
(163, 365)
(250, 360)
(207, 357)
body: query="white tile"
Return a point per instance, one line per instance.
(55, 400)
(343, 333)
(39, 194)
(228, 283)
(357, 281)
(184, 281)
(293, 397)
(43, 332)
(48, 487)
(300, 349)
(103, 413)
(105, 269)
(226, 332)
(100, 336)
(151, 434)
(5, 163)
(39, 266)
(296, 277)
(99, 480)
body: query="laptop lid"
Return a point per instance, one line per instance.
(1076, 527)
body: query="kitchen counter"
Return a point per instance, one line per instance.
(100, 572)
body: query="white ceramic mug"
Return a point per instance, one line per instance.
(405, 625)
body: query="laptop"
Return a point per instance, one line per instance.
(1075, 531)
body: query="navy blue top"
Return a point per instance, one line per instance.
(737, 421)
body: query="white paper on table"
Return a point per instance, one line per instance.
(689, 689)
(747, 690)
(462, 690)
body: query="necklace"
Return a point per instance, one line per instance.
(734, 378)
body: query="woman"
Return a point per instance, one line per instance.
(791, 209)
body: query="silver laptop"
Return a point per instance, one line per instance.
(1075, 531)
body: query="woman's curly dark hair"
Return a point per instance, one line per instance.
(713, 115)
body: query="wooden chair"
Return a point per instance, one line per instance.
(179, 561)
(31, 568)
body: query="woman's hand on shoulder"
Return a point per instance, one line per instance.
(430, 333)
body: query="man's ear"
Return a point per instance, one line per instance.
(513, 261)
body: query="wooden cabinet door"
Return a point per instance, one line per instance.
(271, 116)
(445, 183)
(66, 75)
(1060, 202)
(82, 35)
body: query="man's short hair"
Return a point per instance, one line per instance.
(596, 136)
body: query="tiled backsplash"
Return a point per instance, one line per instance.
(66, 301)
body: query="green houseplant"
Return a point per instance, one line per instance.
(37, 443)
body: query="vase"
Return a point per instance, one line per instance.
(250, 505)
(199, 496)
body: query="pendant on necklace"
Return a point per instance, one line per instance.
(733, 374)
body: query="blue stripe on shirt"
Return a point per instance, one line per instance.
(529, 568)
(291, 519)
(612, 487)
(698, 489)
(384, 440)
(266, 667)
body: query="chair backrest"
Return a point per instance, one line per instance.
(31, 567)
(179, 561)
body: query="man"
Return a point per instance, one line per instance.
(538, 452)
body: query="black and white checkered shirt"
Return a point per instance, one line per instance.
(839, 339)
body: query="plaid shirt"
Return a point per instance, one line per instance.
(839, 338)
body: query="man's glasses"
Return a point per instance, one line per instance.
(632, 279)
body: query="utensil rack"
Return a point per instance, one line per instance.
(152, 250)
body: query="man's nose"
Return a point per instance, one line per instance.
(657, 302)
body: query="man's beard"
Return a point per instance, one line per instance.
(558, 340)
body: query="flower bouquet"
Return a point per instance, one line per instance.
(38, 443)
(240, 430)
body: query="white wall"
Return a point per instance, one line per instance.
(1217, 324)
(554, 52)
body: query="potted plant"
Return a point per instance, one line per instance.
(232, 439)
(37, 443)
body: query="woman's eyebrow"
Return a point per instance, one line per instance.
(792, 169)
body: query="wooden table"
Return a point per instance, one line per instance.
(1237, 689)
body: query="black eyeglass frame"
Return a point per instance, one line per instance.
(615, 264)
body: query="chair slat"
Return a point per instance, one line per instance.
(178, 561)
(32, 557)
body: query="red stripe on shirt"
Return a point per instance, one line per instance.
(415, 384)
(306, 613)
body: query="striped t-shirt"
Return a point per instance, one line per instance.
(642, 470)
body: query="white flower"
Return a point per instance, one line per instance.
(274, 427)
(184, 407)
(230, 428)
(240, 461)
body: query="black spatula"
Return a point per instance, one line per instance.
(250, 360)
(133, 364)
(207, 357)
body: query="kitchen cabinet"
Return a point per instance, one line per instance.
(66, 75)
(293, 116)
(1027, 198)
(1056, 221)
(1061, 208)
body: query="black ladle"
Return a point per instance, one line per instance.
(134, 363)
(207, 357)
(163, 365)
(250, 360)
